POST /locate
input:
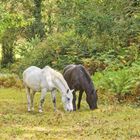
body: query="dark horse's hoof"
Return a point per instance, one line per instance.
(93, 108)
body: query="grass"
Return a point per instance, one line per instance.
(109, 122)
(0, 52)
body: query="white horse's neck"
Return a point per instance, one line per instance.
(58, 80)
(61, 84)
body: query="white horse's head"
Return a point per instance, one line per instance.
(67, 100)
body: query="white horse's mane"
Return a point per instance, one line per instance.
(58, 75)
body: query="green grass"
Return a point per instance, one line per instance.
(0, 52)
(109, 122)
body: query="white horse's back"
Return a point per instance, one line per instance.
(36, 78)
(32, 78)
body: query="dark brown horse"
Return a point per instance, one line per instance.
(79, 79)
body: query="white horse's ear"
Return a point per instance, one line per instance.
(72, 90)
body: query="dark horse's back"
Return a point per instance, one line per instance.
(74, 76)
(79, 79)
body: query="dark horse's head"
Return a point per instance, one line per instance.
(92, 99)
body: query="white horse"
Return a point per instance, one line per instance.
(46, 79)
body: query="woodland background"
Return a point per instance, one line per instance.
(103, 35)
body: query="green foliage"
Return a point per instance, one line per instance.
(57, 51)
(101, 34)
(121, 82)
(93, 65)
(24, 49)
(7, 47)
(10, 23)
(118, 58)
(37, 28)
(109, 24)
(11, 20)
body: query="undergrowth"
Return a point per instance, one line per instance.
(122, 83)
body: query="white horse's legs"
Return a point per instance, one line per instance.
(43, 94)
(32, 100)
(54, 99)
(28, 98)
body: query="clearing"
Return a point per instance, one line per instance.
(109, 122)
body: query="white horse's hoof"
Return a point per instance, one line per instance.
(40, 111)
(29, 110)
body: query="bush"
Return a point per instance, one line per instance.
(93, 65)
(123, 82)
(56, 51)
(24, 48)
(10, 80)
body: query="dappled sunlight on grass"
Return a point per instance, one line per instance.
(107, 122)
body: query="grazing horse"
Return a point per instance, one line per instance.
(79, 79)
(46, 79)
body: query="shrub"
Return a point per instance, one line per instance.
(93, 65)
(10, 80)
(23, 47)
(123, 82)
(56, 51)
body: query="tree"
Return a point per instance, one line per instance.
(109, 24)
(10, 23)
(7, 47)
(37, 28)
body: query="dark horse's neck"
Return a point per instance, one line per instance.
(91, 95)
(89, 88)
(88, 84)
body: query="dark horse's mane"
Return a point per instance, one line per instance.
(86, 73)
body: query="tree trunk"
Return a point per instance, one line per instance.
(37, 28)
(8, 47)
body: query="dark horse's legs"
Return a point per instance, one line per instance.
(79, 99)
(74, 101)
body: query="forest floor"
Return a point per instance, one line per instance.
(109, 122)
